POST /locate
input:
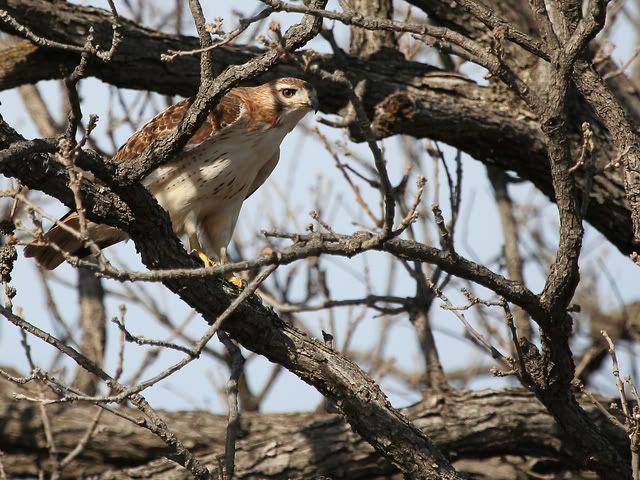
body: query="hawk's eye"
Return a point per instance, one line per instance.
(288, 92)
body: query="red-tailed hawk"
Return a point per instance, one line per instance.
(203, 187)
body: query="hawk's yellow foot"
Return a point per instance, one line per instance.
(230, 277)
(237, 281)
(200, 255)
(208, 263)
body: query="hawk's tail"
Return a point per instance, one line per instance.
(50, 257)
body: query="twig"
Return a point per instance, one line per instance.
(364, 124)
(412, 215)
(51, 445)
(375, 23)
(445, 238)
(343, 170)
(67, 145)
(120, 365)
(141, 340)
(632, 416)
(474, 334)
(82, 443)
(599, 406)
(18, 380)
(616, 374)
(244, 23)
(116, 38)
(315, 244)
(43, 42)
(370, 301)
(361, 120)
(233, 427)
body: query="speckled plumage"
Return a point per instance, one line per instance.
(223, 163)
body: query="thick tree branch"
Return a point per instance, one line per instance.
(462, 423)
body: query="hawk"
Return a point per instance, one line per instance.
(228, 158)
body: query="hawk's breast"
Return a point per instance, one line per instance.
(214, 174)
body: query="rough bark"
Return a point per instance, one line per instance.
(464, 424)
(365, 43)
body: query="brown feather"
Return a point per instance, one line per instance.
(47, 256)
(224, 114)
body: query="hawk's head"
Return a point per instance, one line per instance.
(281, 102)
(295, 94)
(291, 99)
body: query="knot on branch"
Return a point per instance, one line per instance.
(387, 113)
(8, 253)
(532, 364)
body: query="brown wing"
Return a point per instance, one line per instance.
(227, 111)
(47, 256)
(263, 174)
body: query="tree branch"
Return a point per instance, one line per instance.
(322, 444)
